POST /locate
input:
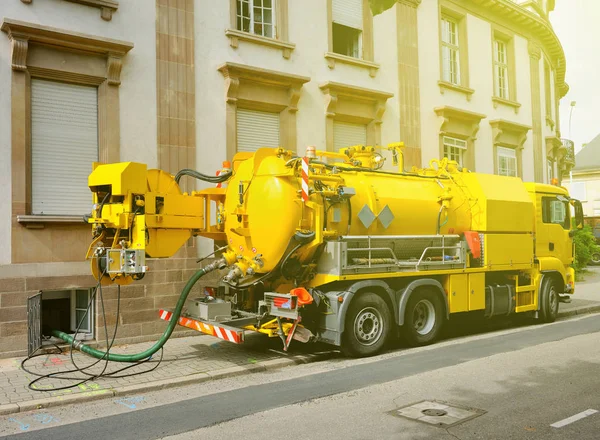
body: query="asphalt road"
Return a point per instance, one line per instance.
(524, 380)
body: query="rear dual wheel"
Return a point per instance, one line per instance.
(423, 318)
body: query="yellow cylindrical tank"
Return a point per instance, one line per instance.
(264, 208)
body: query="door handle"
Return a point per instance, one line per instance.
(551, 246)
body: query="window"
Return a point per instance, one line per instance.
(454, 149)
(64, 144)
(450, 51)
(257, 129)
(67, 311)
(550, 165)
(347, 27)
(555, 211)
(507, 161)
(501, 69)
(256, 17)
(348, 135)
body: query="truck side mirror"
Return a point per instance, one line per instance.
(578, 214)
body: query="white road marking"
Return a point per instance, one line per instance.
(569, 420)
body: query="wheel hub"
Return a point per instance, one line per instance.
(423, 317)
(368, 326)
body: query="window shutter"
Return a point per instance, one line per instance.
(348, 135)
(64, 143)
(256, 129)
(348, 13)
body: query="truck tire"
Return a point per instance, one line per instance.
(423, 318)
(595, 260)
(368, 324)
(549, 300)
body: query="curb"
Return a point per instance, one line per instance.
(274, 364)
(583, 310)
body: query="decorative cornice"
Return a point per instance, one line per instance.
(457, 113)
(411, 3)
(555, 148)
(257, 74)
(502, 127)
(113, 69)
(36, 33)
(21, 34)
(331, 87)
(235, 36)
(467, 91)
(334, 90)
(332, 58)
(235, 74)
(470, 120)
(107, 7)
(19, 48)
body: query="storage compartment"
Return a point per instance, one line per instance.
(458, 298)
(476, 291)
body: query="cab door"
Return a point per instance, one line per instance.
(554, 241)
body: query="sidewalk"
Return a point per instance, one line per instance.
(188, 360)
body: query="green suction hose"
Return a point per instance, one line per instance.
(98, 354)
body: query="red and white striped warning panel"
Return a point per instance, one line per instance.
(230, 334)
(305, 179)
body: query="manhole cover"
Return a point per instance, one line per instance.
(437, 413)
(434, 412)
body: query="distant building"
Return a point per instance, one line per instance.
(585, 183)
(188, 83)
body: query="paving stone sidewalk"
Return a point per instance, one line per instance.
(185, 360)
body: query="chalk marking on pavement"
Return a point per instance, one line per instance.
(130, 402)
(576, 417)
(23, 426)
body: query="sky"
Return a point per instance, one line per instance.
(577, 24)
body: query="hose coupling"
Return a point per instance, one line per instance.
(234, 274)
(215, 265)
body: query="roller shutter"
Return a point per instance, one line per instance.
(347, 135)
(256, 129)
(64, 144)
(348, 13)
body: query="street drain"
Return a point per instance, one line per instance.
(434, 412)
(437, 413)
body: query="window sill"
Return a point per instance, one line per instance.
(107, 7)
(39, 221)
(332, 58)
(235, 36)
(455, 87)
(507, 102)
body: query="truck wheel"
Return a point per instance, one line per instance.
(423, 318)
(595, 260)
(368, 323)
(549, 300)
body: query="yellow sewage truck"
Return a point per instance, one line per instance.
(333, 247)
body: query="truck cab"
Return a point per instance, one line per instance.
(555, 215)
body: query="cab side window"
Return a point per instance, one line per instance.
(555, 211)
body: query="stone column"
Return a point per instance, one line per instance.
(408, 81)
(536, 112)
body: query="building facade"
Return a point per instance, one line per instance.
(584, 181)
(188, 83)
